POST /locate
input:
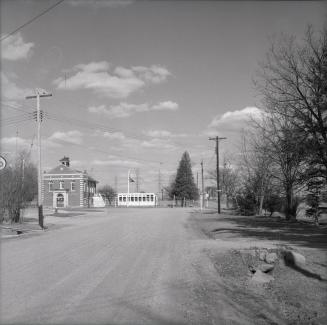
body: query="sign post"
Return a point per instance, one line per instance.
(3, 162)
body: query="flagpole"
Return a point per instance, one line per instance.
(128, 181)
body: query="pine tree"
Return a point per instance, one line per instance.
(184, 186)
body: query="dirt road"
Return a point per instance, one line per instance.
(120, 266)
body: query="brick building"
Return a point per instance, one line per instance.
(67, 187)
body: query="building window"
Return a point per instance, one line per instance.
(50, 186)
(72, 186)
(61, 185)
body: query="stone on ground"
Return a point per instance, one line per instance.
(271, 258)
(262, 255)
(266, 267)
(261, 277)
(294, 258)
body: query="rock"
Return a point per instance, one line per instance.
(294, 258)
(266, 267)
(261, 277)
(262, 255)
(252, 269)
(271, 258)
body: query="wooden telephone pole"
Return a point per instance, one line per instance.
(39, 116)
(217, 167)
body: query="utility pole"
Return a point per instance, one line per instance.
(39, 93)
(116, 184)
(217, 167)
(159, 180)
(197, 180)
(22, 187)
(202, 186)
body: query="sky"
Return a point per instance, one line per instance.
(134, 84)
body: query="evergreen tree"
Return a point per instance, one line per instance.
(184, 186)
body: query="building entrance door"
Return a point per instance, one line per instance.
(60, 201)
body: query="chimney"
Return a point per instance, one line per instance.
(65, 161)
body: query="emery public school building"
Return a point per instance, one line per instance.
(64, 186)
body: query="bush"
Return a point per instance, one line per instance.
(247, 203)
(273, 203)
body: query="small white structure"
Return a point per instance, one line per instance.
(137, 199)
(98, 201)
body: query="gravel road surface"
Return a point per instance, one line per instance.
(116, 266)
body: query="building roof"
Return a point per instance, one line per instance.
(64, 170)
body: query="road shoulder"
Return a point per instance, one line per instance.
(234, 245)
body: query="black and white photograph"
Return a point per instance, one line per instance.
(163, 162)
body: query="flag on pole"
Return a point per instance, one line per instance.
(131, 180)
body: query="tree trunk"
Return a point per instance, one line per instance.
(261, 204)
(289, 215)
(15, 214)
(227, 201)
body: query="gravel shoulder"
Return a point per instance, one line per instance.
(291, 295)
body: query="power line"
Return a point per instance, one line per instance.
(15, 117)
(31, 20)
(8, 105)
(16, 122)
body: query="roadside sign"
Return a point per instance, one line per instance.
(3, 163)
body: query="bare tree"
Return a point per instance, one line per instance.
(18, 186)
(108, 192)
(293, 83)
(281, 146)
(255, 165)
(229, 179)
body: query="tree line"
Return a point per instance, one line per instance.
(283, 158)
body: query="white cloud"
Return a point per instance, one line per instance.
(159, 144)
(125, 109)
(158, 133)
(232, 121)
(11, 91)
(114, 135)
(116, 162)
(163, 134)
(98, 109)
(13, 141)
(154, 74)
(119, 82)
(168, 105)
(14, 48)
(100, 3)
(74, 137)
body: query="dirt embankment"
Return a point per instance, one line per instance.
(250, 256)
